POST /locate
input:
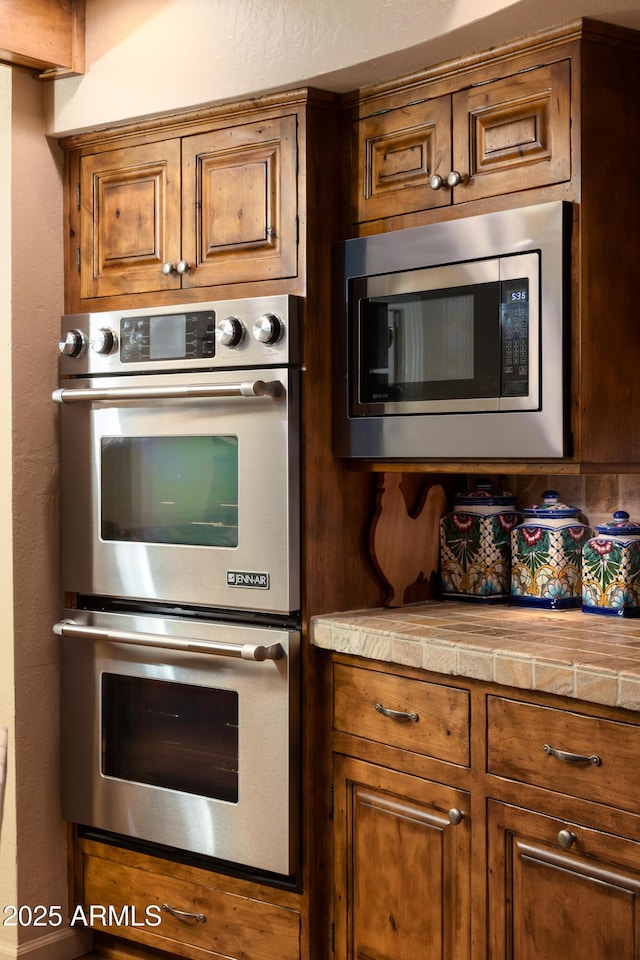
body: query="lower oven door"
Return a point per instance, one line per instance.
(183, 488)
(183, 734)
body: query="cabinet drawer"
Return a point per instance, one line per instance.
(364, 699)
(233, 926)
(541, 746)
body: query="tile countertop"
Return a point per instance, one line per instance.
(586, 656)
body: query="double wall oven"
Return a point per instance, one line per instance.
(180, 563)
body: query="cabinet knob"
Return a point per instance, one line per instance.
(168, 269)
(566, 839)
(455, 816)
(182, 267)
(436, 182)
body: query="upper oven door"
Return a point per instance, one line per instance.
(183, 489)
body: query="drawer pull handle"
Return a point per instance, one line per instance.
(398, 715)
(566, 839)
(183, 915)
(455, 816)
(572, 757)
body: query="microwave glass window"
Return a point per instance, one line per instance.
(180, 490)
(432, 345)
(172, 735)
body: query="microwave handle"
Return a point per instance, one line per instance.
(245, 651)
(248, 388)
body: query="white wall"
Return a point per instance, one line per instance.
(157, 56)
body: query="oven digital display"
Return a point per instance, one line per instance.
(168, 336)
(181, 490)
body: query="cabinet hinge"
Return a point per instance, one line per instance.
(332, 936)
(297, 159)
(331, 801)
(78, 259)
(78, 195)
(297, 231)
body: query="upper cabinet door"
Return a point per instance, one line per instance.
(398, 151)
(513, 134)
(239, 207)
(130, 220)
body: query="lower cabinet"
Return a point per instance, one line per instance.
(142, 906)
(519, 842)
(402, 861)
(560, 890)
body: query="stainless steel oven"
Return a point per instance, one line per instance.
(179, 434)
(184, 734)
(180, 563)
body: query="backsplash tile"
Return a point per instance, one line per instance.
(597, 495)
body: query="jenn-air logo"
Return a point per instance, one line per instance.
(248, 578)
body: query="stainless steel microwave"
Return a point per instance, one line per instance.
(453, 339)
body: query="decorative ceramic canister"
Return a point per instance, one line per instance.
(611, 568)
(475, 544)
(546, 555)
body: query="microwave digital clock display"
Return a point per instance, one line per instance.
(514, 325)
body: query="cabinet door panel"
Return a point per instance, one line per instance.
(130, 223)
(513, 134)
(398, 151)
(545, 900)
(402, 867)
(240, 203)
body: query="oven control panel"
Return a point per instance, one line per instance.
(260, 331)
(169, 336)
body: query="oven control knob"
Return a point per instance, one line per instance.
(73, 345)
(268, 329)
(104, 342)
(230, 332)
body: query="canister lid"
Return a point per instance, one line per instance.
(484, 495)
(550, 506)
(620, 526)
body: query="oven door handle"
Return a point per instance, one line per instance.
(245, 651)
(247, 388)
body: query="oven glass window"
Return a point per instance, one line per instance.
(181, 490)
(173, 735)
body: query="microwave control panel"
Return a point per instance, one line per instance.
(514, 327)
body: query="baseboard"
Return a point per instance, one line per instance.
(64, 944)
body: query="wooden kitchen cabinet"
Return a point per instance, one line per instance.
(215, 208)
(402, 842)
(403, 861)
(498, 137)
(519, 840)
(181, 910)
(557, 888)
